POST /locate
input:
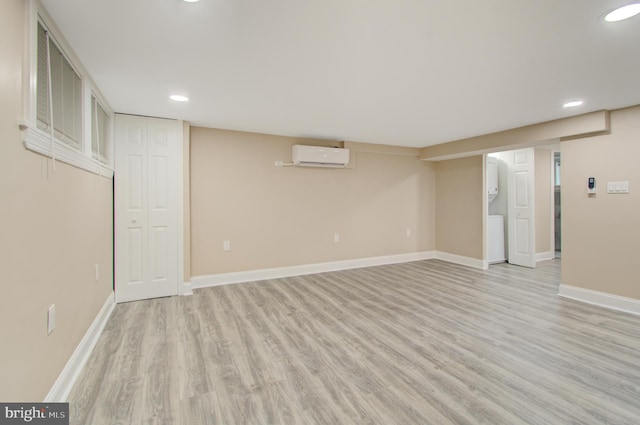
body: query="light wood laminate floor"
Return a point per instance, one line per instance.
(418, 343)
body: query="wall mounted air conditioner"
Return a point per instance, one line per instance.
(319, 156)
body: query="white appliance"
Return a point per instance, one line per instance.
(492, 178)
(496, 239)
(319, 156)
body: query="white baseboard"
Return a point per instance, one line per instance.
(64, 384)
(544, 256)
(280, 272)
(463, 261)
(601, 299)
(185, 289)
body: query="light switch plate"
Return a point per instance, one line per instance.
(618, 187)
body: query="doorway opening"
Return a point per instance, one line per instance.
(523, 205)
(557, 213)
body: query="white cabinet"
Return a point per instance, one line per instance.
(492, 178)
(496, 239)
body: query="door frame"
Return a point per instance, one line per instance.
(485, 214)
(553, 199)
(182, 289)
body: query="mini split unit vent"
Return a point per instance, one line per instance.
(319, 156)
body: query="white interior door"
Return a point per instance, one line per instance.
(146, 212)
(521, 209)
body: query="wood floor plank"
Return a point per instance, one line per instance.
(426, 342)
(389, 340)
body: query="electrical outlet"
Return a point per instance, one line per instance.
(226, 245)
(408, 232)
(97, 271)
(336, 237)
(51, 319)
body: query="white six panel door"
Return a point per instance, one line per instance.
(520, 198)
(146, 207)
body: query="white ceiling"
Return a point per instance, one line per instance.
(399, 72)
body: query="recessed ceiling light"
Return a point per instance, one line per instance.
(573, 104)
(624, 12)
(191, 1)
(179, 98)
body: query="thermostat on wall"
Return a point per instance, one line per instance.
(591, 185)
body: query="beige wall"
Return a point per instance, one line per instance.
(459, 207)
(600, 234)
(529, 136)
(284, 216)
(56, 226)
(544, 215)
